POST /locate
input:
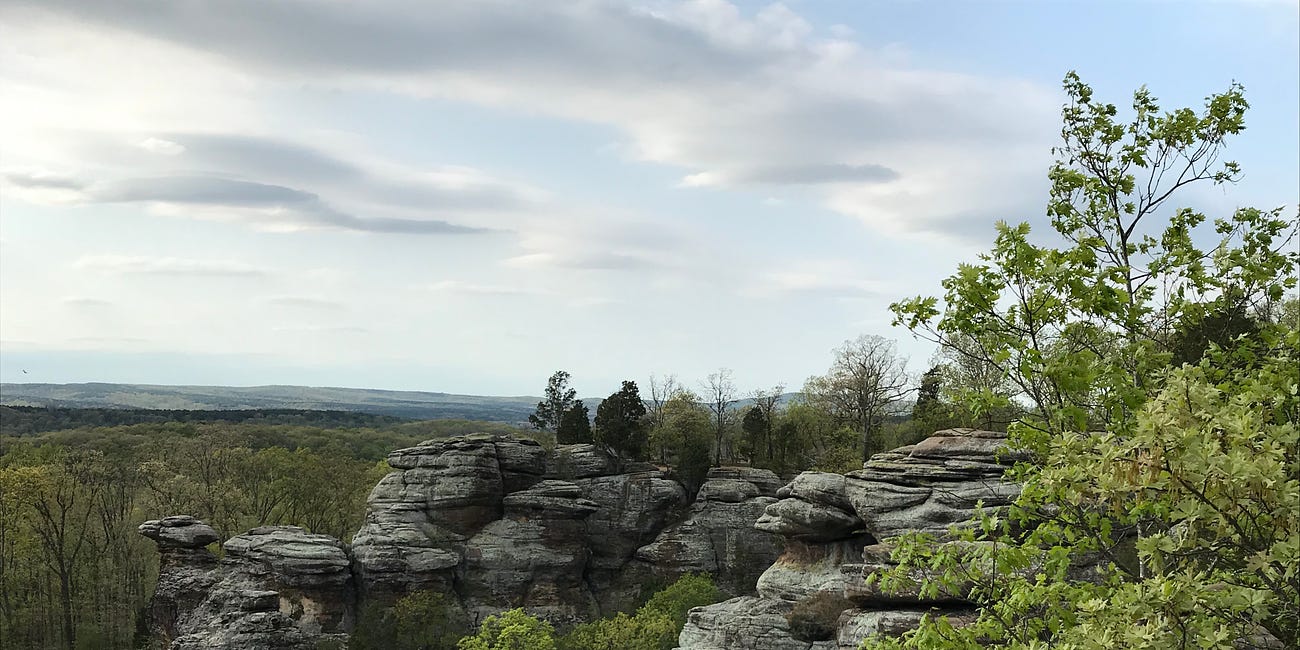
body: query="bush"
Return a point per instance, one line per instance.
(656, 624)
(688, 592)
(816, 618)
(644, 631)
(511, 630)
(421, 620)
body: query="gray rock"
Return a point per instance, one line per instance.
(798, 519)
(745, 623)
(718, 537)
(179, 531)
(581, 461)
(277, 587)
(765, 480)
(932, 485)
(806, 569)
(856, 625)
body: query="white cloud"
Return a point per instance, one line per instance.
(732, 100)
(161, 146)
(474, 288)
(168, 266)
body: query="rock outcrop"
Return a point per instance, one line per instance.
(493, 522)
(276, 587)
(837, 527)
(718, 537)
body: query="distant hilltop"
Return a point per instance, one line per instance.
(404, 404)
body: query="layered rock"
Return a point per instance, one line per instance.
(835, 525)
(718, 536)
(276, 587)
(492, 522)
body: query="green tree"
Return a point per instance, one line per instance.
(619, 424)
(558, 400)
(511, 630)
(575, 425)
(421, 620)
(655, 626)
(1183, 482)
(927, 408)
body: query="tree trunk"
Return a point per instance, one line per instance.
(65, 600)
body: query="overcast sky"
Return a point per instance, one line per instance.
(466, 196)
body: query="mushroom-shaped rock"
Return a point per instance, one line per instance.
(799, 519)
(179, 531)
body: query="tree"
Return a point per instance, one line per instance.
(766, 402)
(1181, 481)
(64, 502)
(721, 395)
(755, 426)
(511, 630)
(661, 390)
(655, 626)
(575, 425)
(558, 401)
(927, 407)
(619, 423)
(686, 438)
(866, 377)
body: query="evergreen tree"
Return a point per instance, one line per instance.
(575, 425)
(755, 426)
(619, 423)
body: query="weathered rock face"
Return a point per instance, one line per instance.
(276, 587)
(835, 525)
(493, 522)
(718, 537)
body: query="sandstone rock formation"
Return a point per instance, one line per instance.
(276, 587)
(494, 522)
(836, 527)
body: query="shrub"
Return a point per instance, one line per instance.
(511, 630)
(421, 620)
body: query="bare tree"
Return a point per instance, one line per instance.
(765, 401)
(721, 395)
(866, 377)
(662, 389)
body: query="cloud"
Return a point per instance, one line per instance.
(587, 261)
(810, 174)
(472, 288)
(731, 99)
(168, 266)
(161, 146)
(843, 279)
(40, 180)
(288, 207)
(197, 189)
(319, 329)
(305, 302)
(86, 303)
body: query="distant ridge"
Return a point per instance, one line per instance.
(402, 404)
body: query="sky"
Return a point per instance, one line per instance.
(467, 196)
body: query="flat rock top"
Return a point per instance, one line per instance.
(179, 531)
(289, 549)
